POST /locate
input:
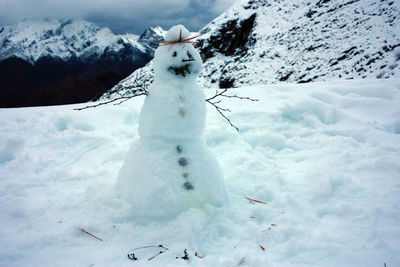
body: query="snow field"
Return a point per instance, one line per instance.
(322, 156)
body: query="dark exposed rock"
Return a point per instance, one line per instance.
(286, 76)
(312, 48)
(350, 50)
(310, 13)
(342, 57)
(231, 38)
(305, 81)
(310, 68)
(226, 83)
(322, 2)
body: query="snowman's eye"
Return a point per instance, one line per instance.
(174, 54)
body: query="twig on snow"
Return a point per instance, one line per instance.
(160, 252)
(254, 200)
(86, 232)
(270, 228)
(198, 255)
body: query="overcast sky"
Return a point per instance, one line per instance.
(121, 16)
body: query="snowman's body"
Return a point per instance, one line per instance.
(170, 168)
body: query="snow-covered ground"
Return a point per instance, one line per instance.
(324, 157)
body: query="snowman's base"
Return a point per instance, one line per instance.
(162, 178)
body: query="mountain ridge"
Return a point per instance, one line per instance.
(38, 56)
(67, 38)
(260, 42)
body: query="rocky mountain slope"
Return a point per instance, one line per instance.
(46, 61)
(297, 41)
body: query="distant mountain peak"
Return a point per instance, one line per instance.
(152, 35)
(64, 38)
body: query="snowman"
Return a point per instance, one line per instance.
(169, 168)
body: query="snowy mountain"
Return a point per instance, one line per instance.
(65, 39)
(299, 41)
(45, 52)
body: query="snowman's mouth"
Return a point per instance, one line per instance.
(183, 70)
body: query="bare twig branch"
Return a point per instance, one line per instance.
(219, 109)
(215, 103)
(122, 98)
(254, 200)
(139, 89)
(222, 94)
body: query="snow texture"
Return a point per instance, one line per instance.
(170, 169)
(324, 157)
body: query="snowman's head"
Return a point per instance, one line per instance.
(176, 58)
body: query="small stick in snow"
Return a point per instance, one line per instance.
(132, 256)
(161, 252)
(270, 228)
(198, 256)
(86, 232)
(254, 200)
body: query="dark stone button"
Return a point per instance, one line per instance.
(185, 174)
(183, 161)
(188, 186)
(179, 148)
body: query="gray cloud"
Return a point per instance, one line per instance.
(120, 16)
